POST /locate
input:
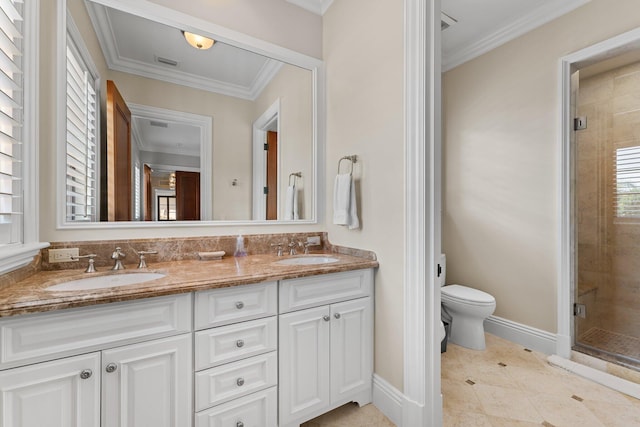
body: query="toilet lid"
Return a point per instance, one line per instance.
(463, 293)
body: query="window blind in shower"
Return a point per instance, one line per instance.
(627, 182)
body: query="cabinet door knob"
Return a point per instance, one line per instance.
(326, 318)
(85, 374)
(239, 305)
(240, 343)
(239, 424)
(240, 382)
(111, 367)
(337, 315)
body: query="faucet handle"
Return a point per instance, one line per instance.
(143, 262)
(91, 268)
(278, 247)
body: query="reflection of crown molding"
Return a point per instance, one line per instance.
(515, 29)
(106, 38)
(319, 7)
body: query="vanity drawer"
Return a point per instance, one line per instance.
(257, 409)
(44, 336)
(231, 305)
(226, 382)
(314, 291)
(233, 342)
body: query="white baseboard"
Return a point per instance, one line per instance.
(532, 338)
(388, 400)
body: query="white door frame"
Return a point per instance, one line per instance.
(422, 404)
(566, 277)
(260, 159)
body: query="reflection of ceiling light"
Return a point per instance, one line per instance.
(172, 180)
(199, 42)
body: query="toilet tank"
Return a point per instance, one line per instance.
(443, 265)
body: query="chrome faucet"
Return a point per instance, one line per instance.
(278, 247)
(143, 260)
(118, 255)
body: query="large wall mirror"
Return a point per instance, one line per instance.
(167, 125)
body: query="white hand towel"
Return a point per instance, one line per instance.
(291, 204)
(345, 210)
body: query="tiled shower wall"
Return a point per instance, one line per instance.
(608, 247)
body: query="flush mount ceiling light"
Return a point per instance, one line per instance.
(197, 41)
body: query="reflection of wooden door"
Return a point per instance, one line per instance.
(148, 197)
(118, 156)
(272, 175)
(187, 196)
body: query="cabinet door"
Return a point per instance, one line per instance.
(351, 348)
(61, 393)
(148, 384)
(303, 363)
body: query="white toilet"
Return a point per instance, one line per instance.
(465, 309)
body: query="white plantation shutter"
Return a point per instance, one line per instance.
(82, 116)
(11, 121)
(627, 179)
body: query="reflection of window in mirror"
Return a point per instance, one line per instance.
(166, 208)
(82, 130)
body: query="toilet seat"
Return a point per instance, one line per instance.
(466, 295)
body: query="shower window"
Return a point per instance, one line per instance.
(627, 182)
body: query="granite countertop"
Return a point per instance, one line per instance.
(31, 296)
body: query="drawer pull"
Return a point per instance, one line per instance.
(85, 374)
(240, 343)
(337, 315)
(111, 367)
(326, 318)
(239, 424)
(240, 382)
(239, 305)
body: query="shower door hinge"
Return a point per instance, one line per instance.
(580, 123)
(580, 310)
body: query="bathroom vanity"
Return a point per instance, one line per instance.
(230, 343)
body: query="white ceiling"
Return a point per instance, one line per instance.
(133, 44)
(166, 137)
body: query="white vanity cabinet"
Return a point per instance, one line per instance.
(60, 393)
(236, 357)
(326, 346)
(130, 362)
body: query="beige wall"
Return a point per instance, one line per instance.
(236, 202)
(293, 87)
(501, 162)
(363, 52)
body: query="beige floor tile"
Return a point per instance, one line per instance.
(615, 415)
(539, 381)
(459, 397)
(589, 390)
(506, 403)
(506, 422)
(351, 415)
(465, 419)
(564, 411)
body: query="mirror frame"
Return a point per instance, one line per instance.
(190, 23)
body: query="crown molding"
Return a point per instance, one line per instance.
(319, 7)
(106, 38)
(515, 29)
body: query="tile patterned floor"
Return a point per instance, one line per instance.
(350, 415)
(507, 386)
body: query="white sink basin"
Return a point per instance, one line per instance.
(307, 260)
(108, 281)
